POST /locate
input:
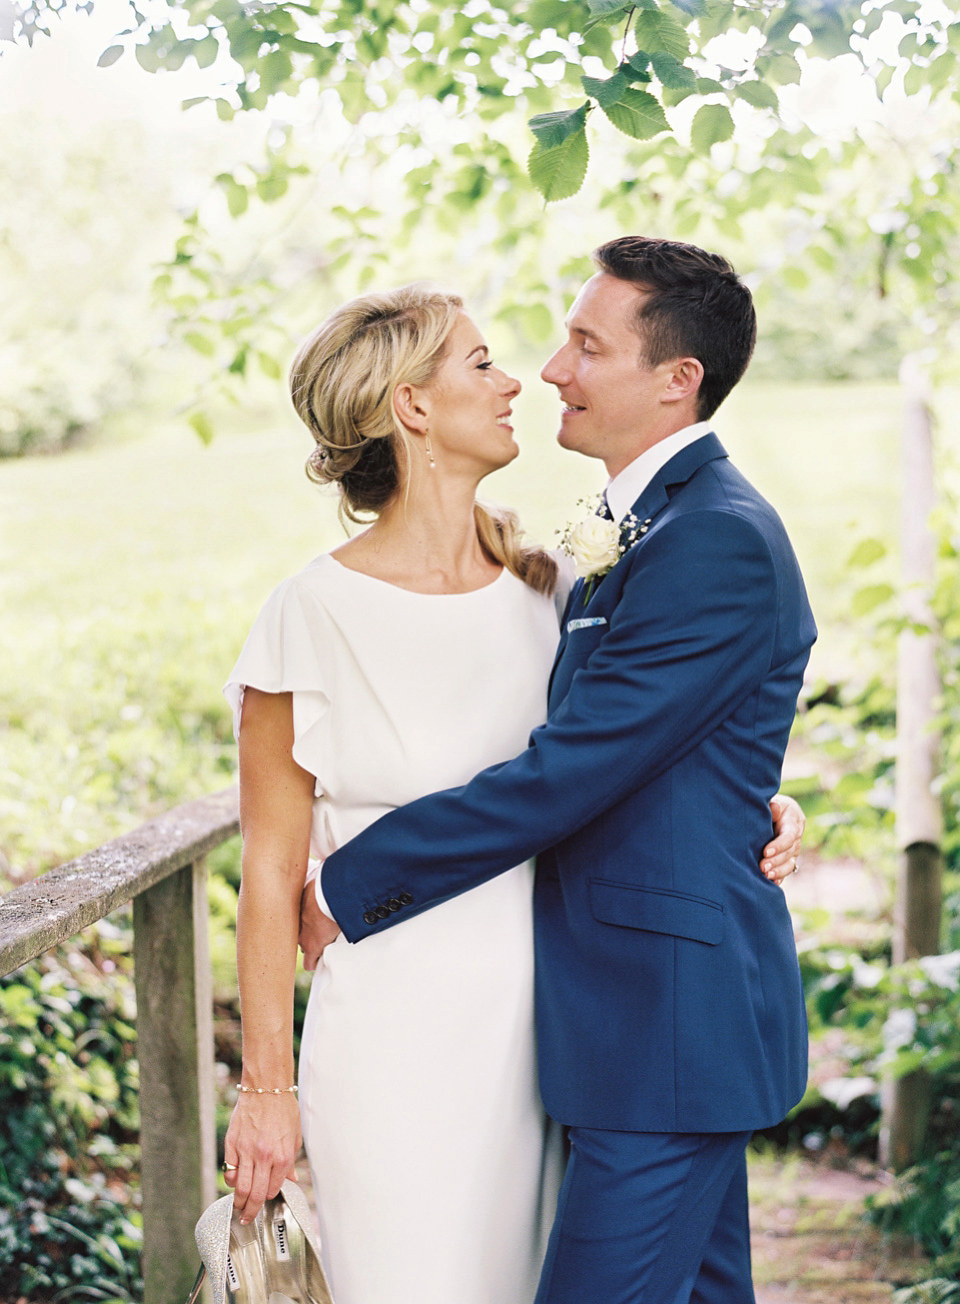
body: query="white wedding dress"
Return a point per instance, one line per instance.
(434, 1168)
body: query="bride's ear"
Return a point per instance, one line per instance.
(410, 407)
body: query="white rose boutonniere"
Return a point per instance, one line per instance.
(597, 544)
(595, 547)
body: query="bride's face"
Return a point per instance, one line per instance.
(468, 406)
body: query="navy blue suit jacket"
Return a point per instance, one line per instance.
(668, 991)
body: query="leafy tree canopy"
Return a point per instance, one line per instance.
(562, 62)
(680, 116)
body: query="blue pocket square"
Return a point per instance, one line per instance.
(585, 622)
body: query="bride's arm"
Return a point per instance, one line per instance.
(276, 801)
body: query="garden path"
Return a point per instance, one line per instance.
(811, 1241)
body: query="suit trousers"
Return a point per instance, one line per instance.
(651, 1218)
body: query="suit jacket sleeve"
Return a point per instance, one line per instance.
(694, 632)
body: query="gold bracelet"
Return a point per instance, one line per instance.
(267, 1091)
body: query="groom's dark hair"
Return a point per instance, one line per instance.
(697, 307)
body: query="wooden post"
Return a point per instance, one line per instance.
(175, 1052)
(917, 908)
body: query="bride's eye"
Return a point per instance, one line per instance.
(484, 366)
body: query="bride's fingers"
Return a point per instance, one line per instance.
(243, 1192)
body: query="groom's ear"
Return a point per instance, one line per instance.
(409, 406)
(683, 379)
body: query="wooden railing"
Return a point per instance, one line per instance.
(160, 868)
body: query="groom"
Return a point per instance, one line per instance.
(669, 1007)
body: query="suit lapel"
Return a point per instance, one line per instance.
(681, 468)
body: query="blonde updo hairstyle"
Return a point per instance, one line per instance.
(342, 383)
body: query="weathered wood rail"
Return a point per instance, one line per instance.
(158, 866)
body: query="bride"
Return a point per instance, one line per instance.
(402, 662)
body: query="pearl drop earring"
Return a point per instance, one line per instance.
(429, 451)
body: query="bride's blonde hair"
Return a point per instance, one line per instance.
(342, 383)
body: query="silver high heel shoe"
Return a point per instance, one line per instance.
(273, 1260)
(291, 1254)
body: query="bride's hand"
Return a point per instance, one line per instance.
(261, 1147)
(781, 856)
(317, 930)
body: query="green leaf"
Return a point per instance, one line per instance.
(200, 343)
(638, 114)
(712, 124)
(759, 94)
(237, 196)
(275, 69)
(225, 110)
(202, 425)
(607, 90)
(660, 33)
(192, 103)
(553, 129)
(110, 56)
(271, 188)
(867, 552)
(557, 171)
(883, 79)
(269, 365)
(206, 51)
(871, 596)
(607, 8)
(915, 79)
(637, 67)
(147, 57)
(673, 74)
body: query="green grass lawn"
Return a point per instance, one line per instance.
(130, 571)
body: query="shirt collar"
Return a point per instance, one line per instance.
(624, 489)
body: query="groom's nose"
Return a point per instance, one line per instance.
(555, 371)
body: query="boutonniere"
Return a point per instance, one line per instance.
(597, 544)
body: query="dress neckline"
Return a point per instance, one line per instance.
(414, 593)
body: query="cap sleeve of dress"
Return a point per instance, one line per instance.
(282, 654)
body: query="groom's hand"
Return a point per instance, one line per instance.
(781, 856)
(317, 930)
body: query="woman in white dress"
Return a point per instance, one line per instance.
(403, 662)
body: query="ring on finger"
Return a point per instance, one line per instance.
(229, 1168)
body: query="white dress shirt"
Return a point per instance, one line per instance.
(624, 489)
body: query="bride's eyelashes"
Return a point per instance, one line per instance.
(485, 366)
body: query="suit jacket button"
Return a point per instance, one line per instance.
(382, 912)
(405, 899)
(371, 917)
(393, 904)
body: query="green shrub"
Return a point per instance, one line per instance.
(68, 1085)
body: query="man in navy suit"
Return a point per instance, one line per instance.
(669, 1005)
